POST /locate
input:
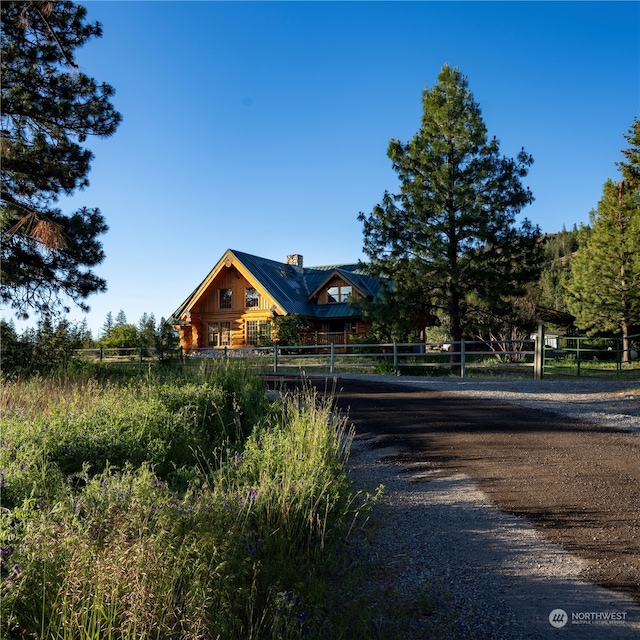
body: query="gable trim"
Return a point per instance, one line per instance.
(333, 274)
(228, 259)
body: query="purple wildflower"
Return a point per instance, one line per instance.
(253, 547)
(5, 553)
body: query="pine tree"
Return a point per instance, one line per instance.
(166, 339)
(447, 240)
(604, 289)
(121, 318)
(49, 107)
(630, 167)
(108, 324)
(147, 330)
(558, 249)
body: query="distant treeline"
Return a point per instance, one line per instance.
(54, 341)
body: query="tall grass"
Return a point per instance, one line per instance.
(172, 505)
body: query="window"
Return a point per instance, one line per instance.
(225, 334)
(225, 298)
(251, 298)
(219, 334)
(339, 294)
(258, 330)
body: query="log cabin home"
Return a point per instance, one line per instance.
(234, 306)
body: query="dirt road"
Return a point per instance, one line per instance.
(577, 483)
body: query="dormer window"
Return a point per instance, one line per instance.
(339, 294)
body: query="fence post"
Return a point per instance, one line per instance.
(395, 358)
(140, 354)
(275, 358)
(462, 358)
(538, 356)
(101, 354)
(333, 358)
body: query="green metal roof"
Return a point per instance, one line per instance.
(291, 286)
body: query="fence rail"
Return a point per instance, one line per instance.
(395, 357)
(564, 355)
(580, 356)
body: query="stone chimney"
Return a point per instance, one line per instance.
(295, 260)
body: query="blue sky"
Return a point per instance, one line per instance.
(264, 126)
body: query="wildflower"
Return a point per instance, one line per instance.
(253, 547)
(14, 573)
(5, 553)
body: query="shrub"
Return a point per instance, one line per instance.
(220, 518)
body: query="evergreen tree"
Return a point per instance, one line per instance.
(13, 354)
(41, 349)
(630, 167)
(447, 240)
(82, 335)
(147, 330)
(108, 324)
(166, 338)
(49, 107)
(558, 250)
(121, 318)
(604, 289)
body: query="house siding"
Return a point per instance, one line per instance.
(208, 311)
(281, 288)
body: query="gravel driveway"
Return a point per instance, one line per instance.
(504, 501)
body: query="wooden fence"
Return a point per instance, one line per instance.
(395, 358)
(534, 357)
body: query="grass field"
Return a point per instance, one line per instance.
(174, 504)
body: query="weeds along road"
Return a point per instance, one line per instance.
(578, 483)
